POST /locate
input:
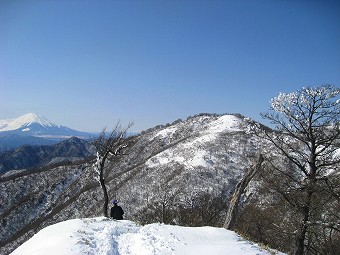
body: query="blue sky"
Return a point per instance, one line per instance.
(87, 64)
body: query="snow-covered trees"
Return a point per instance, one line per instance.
(307, 134)
(109, 146)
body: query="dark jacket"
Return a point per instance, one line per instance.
(116, 212)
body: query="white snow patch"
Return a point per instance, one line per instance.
(225, 123)
(198, 159)
(204, 138)
(166, 132)
(160, 159)
(98, 236)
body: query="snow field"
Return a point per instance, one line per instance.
(224, 123)
(103, 236)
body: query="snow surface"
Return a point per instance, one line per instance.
(24, 121)
(166, 132)
(105, 236)
(225, 123)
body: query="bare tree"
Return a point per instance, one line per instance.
(307, 132)
(167, 195)
(201, 208)
(239, 190)
(109, 146)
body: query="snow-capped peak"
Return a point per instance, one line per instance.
(31, 118)
(24, 122)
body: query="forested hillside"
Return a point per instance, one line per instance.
(180, 173)
(185, 173)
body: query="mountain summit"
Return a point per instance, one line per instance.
(24, 121)
(34, 129)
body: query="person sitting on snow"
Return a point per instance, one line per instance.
(116, 211)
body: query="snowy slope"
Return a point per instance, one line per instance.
(192, 152)
(104, 236)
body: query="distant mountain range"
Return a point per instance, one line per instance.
(34, 129)
(28, 156)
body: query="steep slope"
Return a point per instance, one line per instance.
(206, 154)
(169, 174)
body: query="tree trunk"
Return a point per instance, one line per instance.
(106, 198)
(163, 212)
(300, 240)
(301, 235)
(102, 184)
(235, 198)
(303, 228)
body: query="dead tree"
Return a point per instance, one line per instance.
(109, 146)
(240, 187)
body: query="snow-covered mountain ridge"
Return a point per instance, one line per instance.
(206, 132)
(99, 236)
(180, 173)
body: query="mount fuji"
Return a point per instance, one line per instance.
(34, 129)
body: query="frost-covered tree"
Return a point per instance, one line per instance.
(109, 146)
(307, 133)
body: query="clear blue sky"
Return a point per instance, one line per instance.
(87, 64)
